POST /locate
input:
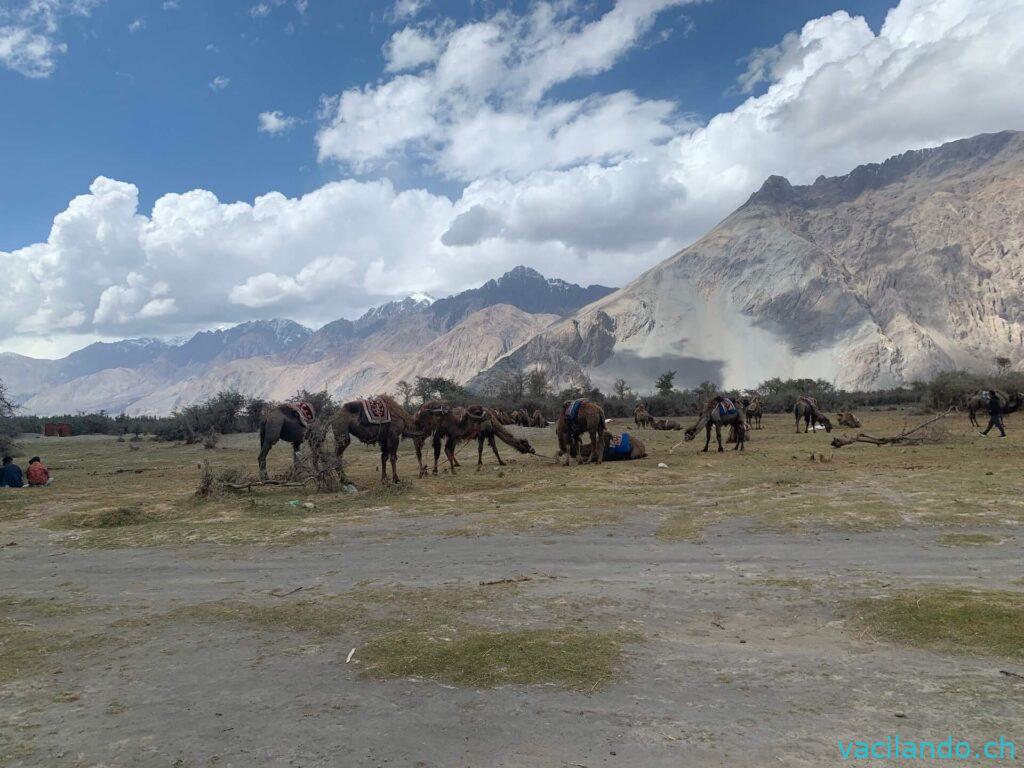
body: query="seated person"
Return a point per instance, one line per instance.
(10, 474)
(37, 473)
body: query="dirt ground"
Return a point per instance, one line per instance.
(718, 611)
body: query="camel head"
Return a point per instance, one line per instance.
(828, 424)
(522, 445)
(689, 434)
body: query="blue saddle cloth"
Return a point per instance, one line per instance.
(573, 410)
(619, 447)
(727, 408)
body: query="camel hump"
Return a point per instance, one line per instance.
(476, 412)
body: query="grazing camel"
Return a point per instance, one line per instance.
(283, 422)
(624, 448)
(643, 417)
(719, 412)
(462, 424)
(576, 418)
(352, 419)
(806, 408)
(755, 410)
(847, 419)
(979, 402)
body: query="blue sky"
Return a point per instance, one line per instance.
(137, 105)
(173, 165)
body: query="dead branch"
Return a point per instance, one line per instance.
(903, 438)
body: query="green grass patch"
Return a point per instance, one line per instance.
(967, 540)
(948, 619)
(582, 661)
(109, 518)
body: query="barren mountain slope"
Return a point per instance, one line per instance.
(889, 274)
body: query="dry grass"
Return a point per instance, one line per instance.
(968, 540)
(948, 619)
(774, 486)
(452, 633)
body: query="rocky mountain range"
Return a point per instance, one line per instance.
(884, 276)
(457, 337)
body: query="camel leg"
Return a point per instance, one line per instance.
(449, 451)
(417, 443)
(479, 452)
(707, 437)
(296, 453)
(393, 455)
(597, 453)
(718, 436)
(265, 445)
(437, 449)
(494, 447)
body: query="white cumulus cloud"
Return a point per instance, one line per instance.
(275, 122)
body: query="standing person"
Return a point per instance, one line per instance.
(10, 475)
(995, 414)
(37, 472)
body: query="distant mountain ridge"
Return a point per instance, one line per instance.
(884, 276)
(274, 358)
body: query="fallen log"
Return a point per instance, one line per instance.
(904, 438)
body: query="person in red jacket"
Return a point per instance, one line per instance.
(37, 473)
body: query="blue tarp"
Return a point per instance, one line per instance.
(573, 410)
(620, 447)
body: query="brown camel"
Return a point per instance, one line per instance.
(520, 417)
(979, 402)
(642, 417)
(538, 420)
(719, 412)
(426, 421)
(462, 424)
(579, 417)
(847, 419)
(352, 420)
(806, 408)
(281, 422)
(755, 410)
(637, 450)
(503, 417)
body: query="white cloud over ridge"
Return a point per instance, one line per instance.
(594, 189)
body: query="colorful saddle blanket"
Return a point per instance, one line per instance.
(726, 407)
(573, 410)
(305, 412)
(375, 411)
(619, 447)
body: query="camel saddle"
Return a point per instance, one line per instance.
(573, 410)
(375, 411)
(303, 411)
(727, 407)
(619, 446)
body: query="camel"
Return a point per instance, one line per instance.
(755, 410)
(520, 417)
(576, 418)
(476, 421)
(806, 408)
(666, 424)
(538, 420)
(350, 420)
(426, 420)
(637, 450)
(642, 417)
(979, 402)
(847, 419)
(281, 422)
(714, 416)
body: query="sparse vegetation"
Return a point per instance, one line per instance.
(948, 619)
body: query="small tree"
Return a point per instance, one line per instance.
(1002, 364)
(621, 389)
(404, 391)
(7, 425)
(665, 383)
(223, 409)
(537, 384)
(253, 412)
(513, 387)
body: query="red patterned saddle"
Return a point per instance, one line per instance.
(375, 411)
(304, 411)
